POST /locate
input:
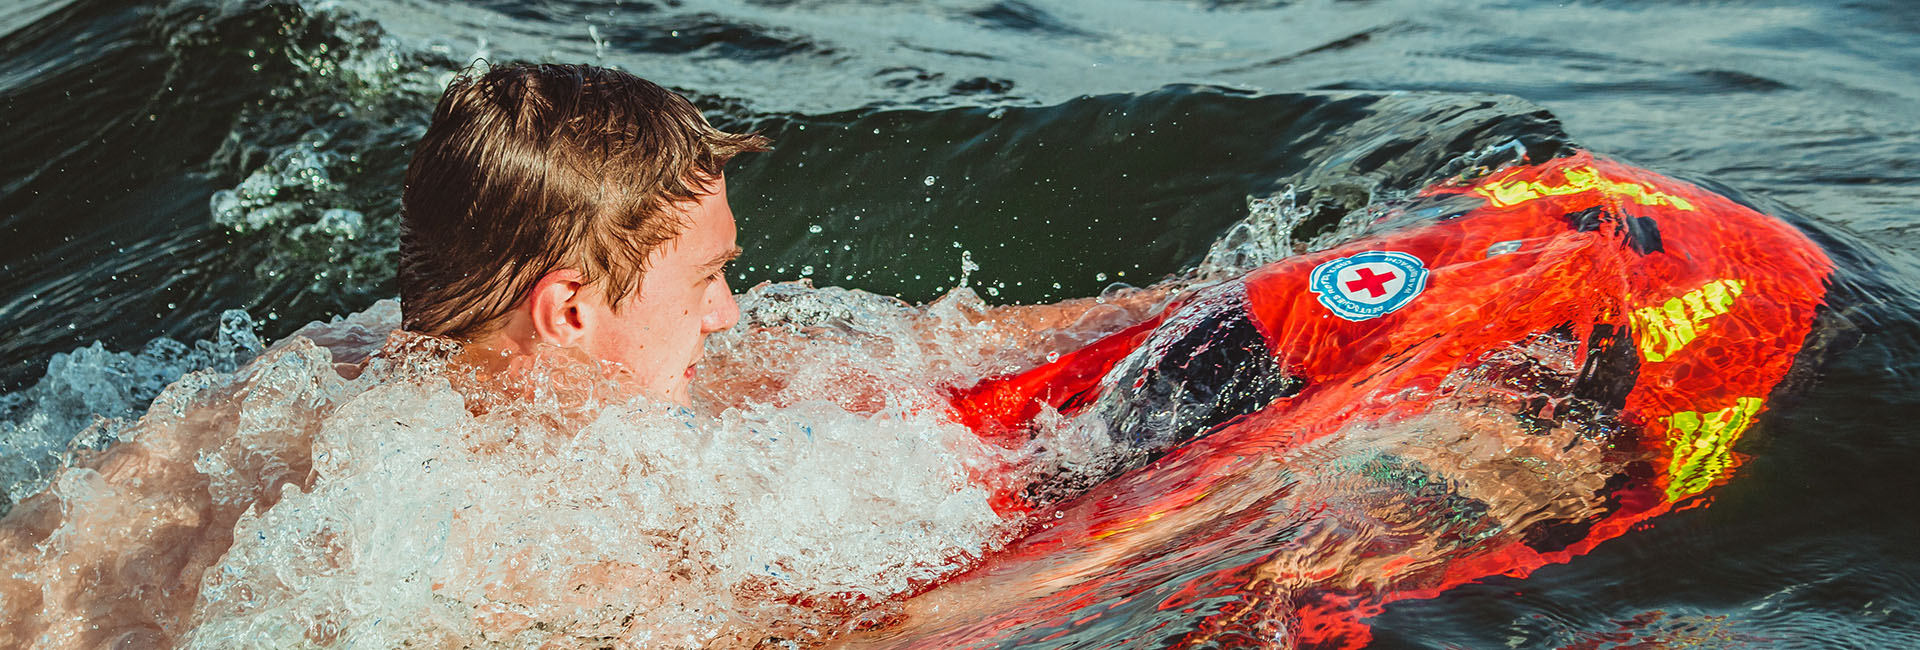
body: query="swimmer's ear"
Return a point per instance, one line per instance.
(559, 308)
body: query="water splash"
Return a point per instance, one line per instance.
(1264, 236)
(89, 397)
(293, 189)
(650, 524)
(967, 267)
(373, 506)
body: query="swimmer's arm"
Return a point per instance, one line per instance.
(1026, 335)
(1113, 310)
(1020, 335)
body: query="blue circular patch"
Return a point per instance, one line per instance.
(1368, 285)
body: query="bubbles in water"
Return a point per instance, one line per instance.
(339, 223)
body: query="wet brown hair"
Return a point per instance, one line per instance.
(528, 169)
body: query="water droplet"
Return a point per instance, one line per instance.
(816, 229)
(967, 267)
(929, 181)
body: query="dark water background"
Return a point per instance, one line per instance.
(163, 162)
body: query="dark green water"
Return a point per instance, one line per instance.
(167, 161)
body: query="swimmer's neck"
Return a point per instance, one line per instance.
(511, 362)
(503, 349)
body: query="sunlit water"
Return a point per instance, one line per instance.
(170, 162)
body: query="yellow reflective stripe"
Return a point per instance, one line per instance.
(1697, 304)
(1578, 179)
(1719, 296)
(1702, 445)
(1665, 328)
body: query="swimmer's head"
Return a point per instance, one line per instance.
(544, 200)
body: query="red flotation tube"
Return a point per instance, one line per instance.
(1680, 310)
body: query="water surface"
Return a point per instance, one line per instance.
(167, 162)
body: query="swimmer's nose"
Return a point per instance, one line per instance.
(723, 311)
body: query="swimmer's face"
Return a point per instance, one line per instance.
(659, 332)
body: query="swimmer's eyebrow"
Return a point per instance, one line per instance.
(721, 260)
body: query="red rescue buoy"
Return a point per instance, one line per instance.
(1678, 310)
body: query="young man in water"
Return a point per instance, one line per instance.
(574, 209)
(552, 211)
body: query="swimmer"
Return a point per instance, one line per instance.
(568, 211)
(554, 216)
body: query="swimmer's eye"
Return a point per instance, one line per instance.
(717, 269)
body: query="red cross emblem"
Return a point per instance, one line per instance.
(1374, 284)
(1368, 284)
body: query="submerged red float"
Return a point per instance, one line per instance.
(1683, 312)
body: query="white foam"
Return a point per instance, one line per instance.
(379, 511)
(88, 396)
